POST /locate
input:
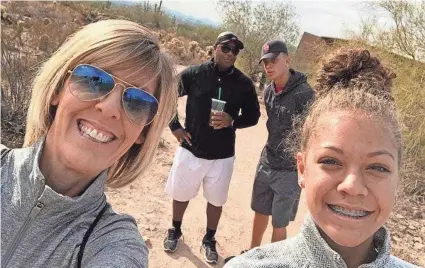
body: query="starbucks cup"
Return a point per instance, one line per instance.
(217, 105)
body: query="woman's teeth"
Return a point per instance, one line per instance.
(95, 134)
(349, 213)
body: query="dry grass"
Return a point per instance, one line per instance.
(35, 31)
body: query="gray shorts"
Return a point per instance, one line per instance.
(276, 193)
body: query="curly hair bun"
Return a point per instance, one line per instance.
(354, 69)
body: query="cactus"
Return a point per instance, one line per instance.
(177, 42)
(202, 55)
(209, 50)
(193, 45)
(146, 7)
(194, 48)
(157, 14)
(168, 37)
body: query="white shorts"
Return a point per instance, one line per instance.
(189, 171)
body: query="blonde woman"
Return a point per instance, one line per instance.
(348, 161)
(98, 108)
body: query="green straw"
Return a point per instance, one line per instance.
(219, 93)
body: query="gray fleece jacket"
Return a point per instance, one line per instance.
(42, 228)
(308, 249)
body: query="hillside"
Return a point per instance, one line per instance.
(32, 31)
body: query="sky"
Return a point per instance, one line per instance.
(330, 18)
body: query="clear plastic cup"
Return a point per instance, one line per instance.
(217, 105)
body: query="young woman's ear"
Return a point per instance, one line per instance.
(301, 169)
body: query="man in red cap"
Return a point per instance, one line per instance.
(276, 191)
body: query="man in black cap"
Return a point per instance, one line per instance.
(206, 154)
(276, 191)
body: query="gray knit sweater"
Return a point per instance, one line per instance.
(42, 228)
(309, 250)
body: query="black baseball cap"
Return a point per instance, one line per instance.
(272, 49)
(225, 37)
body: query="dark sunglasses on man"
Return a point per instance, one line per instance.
(226, 48)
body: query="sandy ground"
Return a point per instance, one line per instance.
(145, 200)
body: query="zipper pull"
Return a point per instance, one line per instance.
(39, 205)
(36, 209)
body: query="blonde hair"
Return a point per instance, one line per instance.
(350, 80)
(108, 44)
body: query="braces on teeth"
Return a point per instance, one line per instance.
(351, 213)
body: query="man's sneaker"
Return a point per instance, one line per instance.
(210, 251)
(171, 240)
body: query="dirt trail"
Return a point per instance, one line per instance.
(145, 200)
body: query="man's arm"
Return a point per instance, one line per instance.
(185, 82)
(250, 110)
(175, 123)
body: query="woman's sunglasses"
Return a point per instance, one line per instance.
(88, 83)
(226, 49)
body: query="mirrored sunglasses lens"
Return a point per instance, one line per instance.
(89, 82)
(140, 106)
